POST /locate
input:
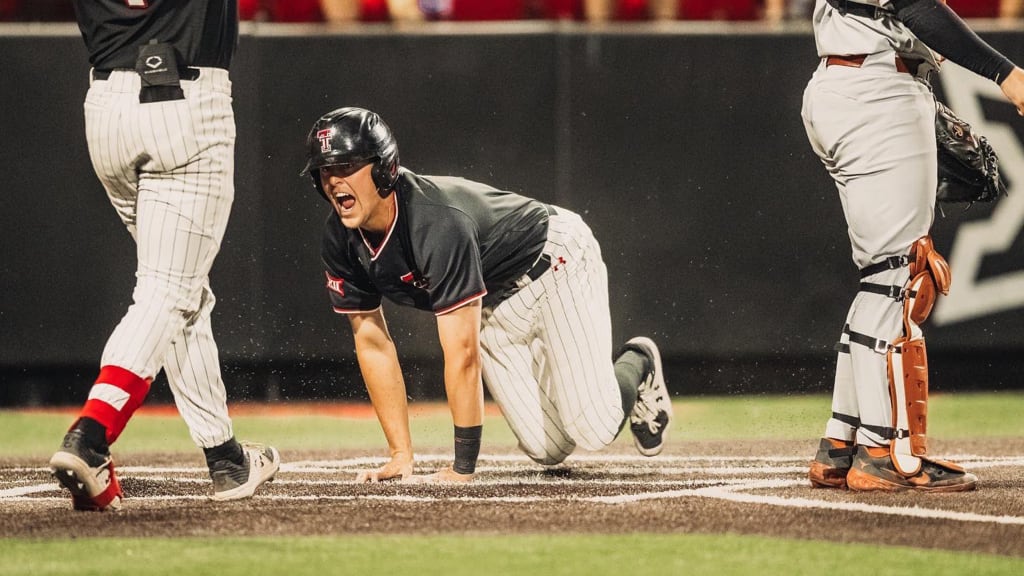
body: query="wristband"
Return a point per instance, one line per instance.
(467, 448)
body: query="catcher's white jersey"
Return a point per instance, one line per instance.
(547, 350)
(168, 169)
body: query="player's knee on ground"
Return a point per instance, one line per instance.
(546, 454)
(595, 431)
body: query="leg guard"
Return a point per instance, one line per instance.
(908, 390)
(908, 358)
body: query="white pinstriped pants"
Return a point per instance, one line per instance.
(547, 350)
(874, 129)
(168, 169)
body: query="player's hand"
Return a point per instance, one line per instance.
(1013, 89)
(445, 476)
(399, 468)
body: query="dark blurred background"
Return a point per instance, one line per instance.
(680, 142)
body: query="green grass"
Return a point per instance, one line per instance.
(952, 416)
(547, 555)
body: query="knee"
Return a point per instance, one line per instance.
(173, 298)
(595, 432)
(547, 455)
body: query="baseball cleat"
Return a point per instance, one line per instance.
(831, 463)
(873, 470)
(87, 473)
(237, 481)
(652, 414)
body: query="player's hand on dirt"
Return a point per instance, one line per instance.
(445, 476)
(395, 469)
(1013, 89)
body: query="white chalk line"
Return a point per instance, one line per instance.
(734, 490)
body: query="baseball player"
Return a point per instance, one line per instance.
(870, 116)
(161, 135)
(520, 295)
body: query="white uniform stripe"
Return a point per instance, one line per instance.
(168, 171)
(110, 394)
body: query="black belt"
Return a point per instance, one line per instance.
(544, 262)
(857, 9)
(543, 265)
(188, 74)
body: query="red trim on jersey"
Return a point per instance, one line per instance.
(391, 228)
(111, 418)
(460, 304)
(352, 311)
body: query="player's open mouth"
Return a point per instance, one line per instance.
(346, 201)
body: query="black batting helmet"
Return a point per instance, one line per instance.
(356, 137)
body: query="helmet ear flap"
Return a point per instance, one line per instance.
(314, 175)
(380, 179)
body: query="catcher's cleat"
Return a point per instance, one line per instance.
(873, 470)
(237, 481)
(652, 413)
(88, 473)
(831, 463)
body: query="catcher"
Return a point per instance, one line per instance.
(519, 292)
(871, 117)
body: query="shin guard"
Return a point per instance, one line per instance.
(908, 391)
(908, 358)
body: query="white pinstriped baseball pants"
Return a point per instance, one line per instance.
(547, 350)
(874, 129)
(168, 169)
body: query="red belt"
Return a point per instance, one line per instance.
(857, 60)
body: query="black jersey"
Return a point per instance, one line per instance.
(453, 241)
(204, 32)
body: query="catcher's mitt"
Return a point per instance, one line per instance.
(968, 167)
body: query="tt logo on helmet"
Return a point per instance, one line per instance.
(324, 136)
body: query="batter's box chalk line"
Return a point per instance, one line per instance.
(713, 478)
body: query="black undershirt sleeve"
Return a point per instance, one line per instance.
(943, 31)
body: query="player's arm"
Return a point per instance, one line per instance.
(943, 31)
(382, 373)
(459, 333)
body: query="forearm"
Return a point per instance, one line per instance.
(466, 402)
(382, 374)
(943, 31)
(464, 388)
(459, 331)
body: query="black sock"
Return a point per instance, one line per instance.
(230, 450)
(95, 434)
(630, 369)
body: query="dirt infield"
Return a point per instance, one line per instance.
(745, 488)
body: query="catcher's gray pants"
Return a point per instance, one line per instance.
(874, 129)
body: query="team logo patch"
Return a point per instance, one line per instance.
(410, 278)
(324, 136)
(336, 285)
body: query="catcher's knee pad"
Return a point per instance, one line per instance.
(929, 273)
(908, 391)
